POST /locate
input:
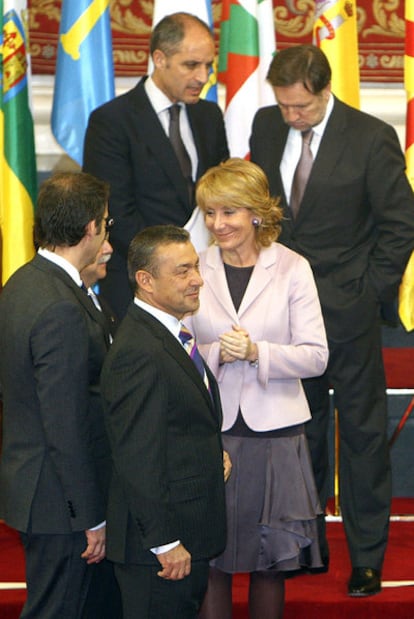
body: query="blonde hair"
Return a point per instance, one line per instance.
(237, 183)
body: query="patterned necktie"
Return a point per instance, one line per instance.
(190, 346)
(302, 172)
(179, 148)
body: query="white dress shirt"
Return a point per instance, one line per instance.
(62, 263)
(293, 149)
(160, 102)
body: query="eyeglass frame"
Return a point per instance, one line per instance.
(109, 223)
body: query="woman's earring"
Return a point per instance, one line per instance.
(255, 222)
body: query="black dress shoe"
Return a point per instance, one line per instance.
(364, 581)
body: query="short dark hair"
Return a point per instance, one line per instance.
(170, 31)
(66, 203)
(301, 63)
(144, 245)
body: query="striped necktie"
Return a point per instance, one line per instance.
(190, 346)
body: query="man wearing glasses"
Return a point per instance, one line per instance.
(55, 462)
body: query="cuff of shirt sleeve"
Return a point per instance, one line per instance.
(158, 550)
(98, 526)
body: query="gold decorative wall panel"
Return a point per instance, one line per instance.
(381, 29)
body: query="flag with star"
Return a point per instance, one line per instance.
(18, 182)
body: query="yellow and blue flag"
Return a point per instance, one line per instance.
(203, 10)
(18, 183)
(84, 71)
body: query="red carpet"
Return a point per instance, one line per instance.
(308, 597)
(324, 596)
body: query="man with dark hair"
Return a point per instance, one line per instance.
(55, 461)
(166, 513)
(349, 209)
(131, 142)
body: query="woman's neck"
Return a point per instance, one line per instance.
(244, 258)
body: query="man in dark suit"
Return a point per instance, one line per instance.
(127, 142)
(166, 513)
(55, 460)
(355, 225)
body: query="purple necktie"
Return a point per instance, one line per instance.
(188, 341)
(302, 172)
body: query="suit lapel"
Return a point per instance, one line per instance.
(326, 162)
(199, 138)
(82, 297)
(277, 144)
(173, 347)
(177, 352)
(259, 280)
(154, 136)
(215, 278)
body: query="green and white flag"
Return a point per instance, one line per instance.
(247, 46)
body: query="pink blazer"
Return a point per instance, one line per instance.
(281, 312)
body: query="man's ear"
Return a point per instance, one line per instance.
(143, 280)
(159, 59)
(90, 228)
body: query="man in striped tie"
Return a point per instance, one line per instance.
(166, 515)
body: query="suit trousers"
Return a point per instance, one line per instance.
(104, 598)
(356, 373)
(317, 393)
(147, 596)
(57, 577)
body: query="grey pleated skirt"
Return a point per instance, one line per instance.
(272, 505)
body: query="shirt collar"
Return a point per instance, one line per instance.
(158, 99)
(62, 263)
(320, 128)
(170, 322)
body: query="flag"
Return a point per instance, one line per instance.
(84, 71)
(201, 9)
(406, 293)
(247, 46)
(17, 148)
(335, 32)
(409, 87)
(406, 296)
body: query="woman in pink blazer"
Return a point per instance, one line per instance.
(260, 329)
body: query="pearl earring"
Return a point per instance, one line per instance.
(255, 222)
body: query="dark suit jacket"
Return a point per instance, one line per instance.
(55, 459)
(356, 221)
(126, 145)
(164, 432)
